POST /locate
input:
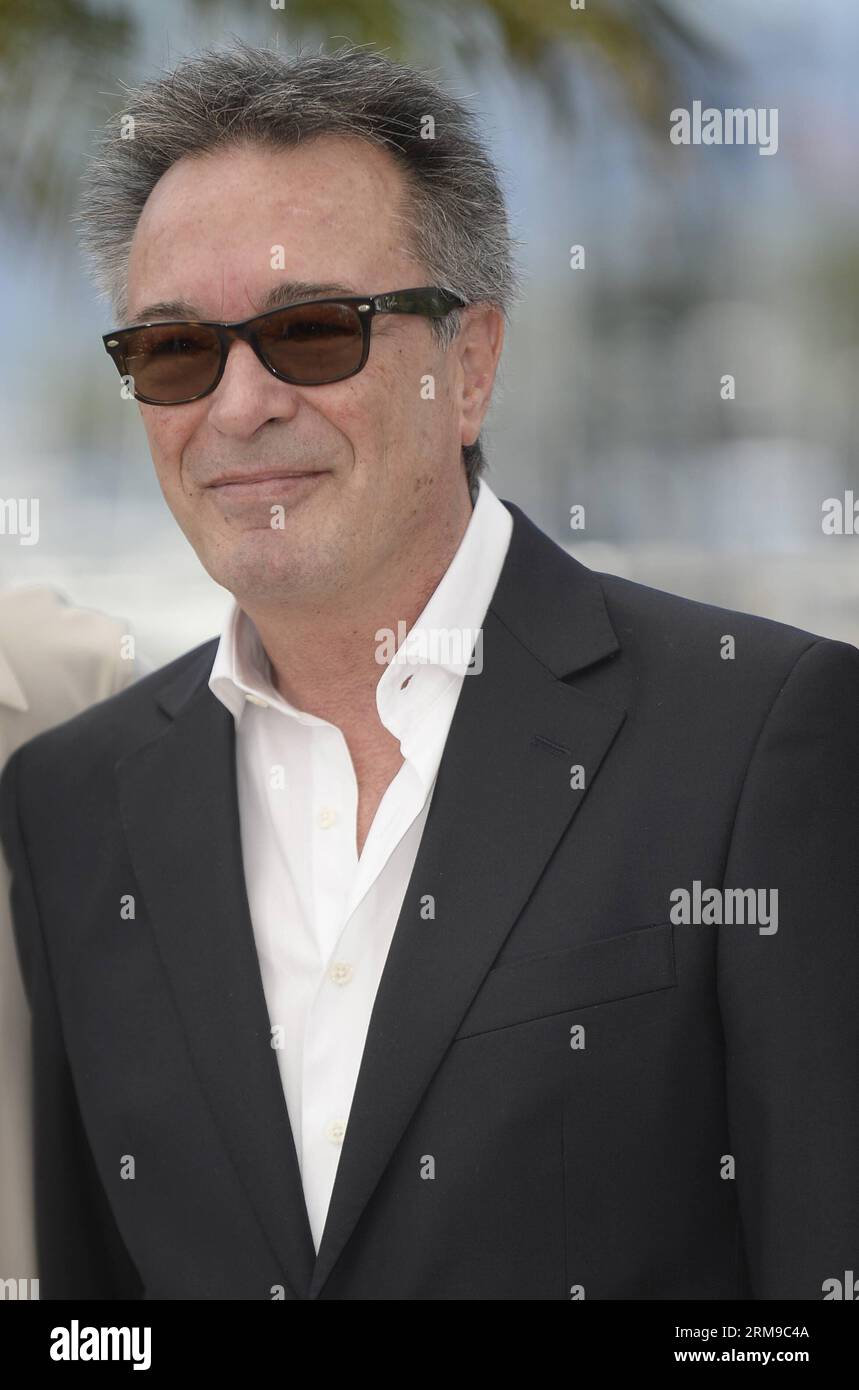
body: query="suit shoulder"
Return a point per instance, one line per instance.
(113, 726)
(641, 614)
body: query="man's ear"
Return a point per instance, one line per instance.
(478, 343)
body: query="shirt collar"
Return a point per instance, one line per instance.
(446, 641)
(241, 671)
(437, 651)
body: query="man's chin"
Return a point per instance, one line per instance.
(260, 568)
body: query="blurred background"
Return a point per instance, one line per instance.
(700, 262)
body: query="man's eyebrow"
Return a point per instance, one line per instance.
(285, 292)
(294, 291)
(164, 309)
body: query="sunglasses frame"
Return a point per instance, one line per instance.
(430, 301)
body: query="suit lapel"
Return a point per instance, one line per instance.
(179, 807)
(502, 802)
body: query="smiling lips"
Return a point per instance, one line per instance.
(243, 479)
(265, 486)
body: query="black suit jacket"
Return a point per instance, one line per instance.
(584, 1073)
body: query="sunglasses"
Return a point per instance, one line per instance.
(308, 344)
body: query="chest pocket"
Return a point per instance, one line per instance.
(597, 972)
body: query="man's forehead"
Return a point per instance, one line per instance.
(202, 235)
(322, 178)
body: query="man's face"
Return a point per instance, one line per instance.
(387, 462)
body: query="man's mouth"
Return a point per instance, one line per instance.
(272, 485)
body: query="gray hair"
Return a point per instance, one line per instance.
(455, 216)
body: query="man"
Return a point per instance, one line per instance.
(521, 966)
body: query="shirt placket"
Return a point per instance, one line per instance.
(333, 811)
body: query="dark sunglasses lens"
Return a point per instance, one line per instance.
(313, 344)
(172, 362)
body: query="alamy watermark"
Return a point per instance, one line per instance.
(733, 126)
(19, 516)
(716, 907)
(457, 646)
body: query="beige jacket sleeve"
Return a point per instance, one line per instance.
(55, 660)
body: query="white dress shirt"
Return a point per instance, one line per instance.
(323, 919)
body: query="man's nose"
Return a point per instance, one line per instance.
(248, 394)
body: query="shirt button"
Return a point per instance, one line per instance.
(340, 972)
(336, 1132)
(257, 700)
(327, 817)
